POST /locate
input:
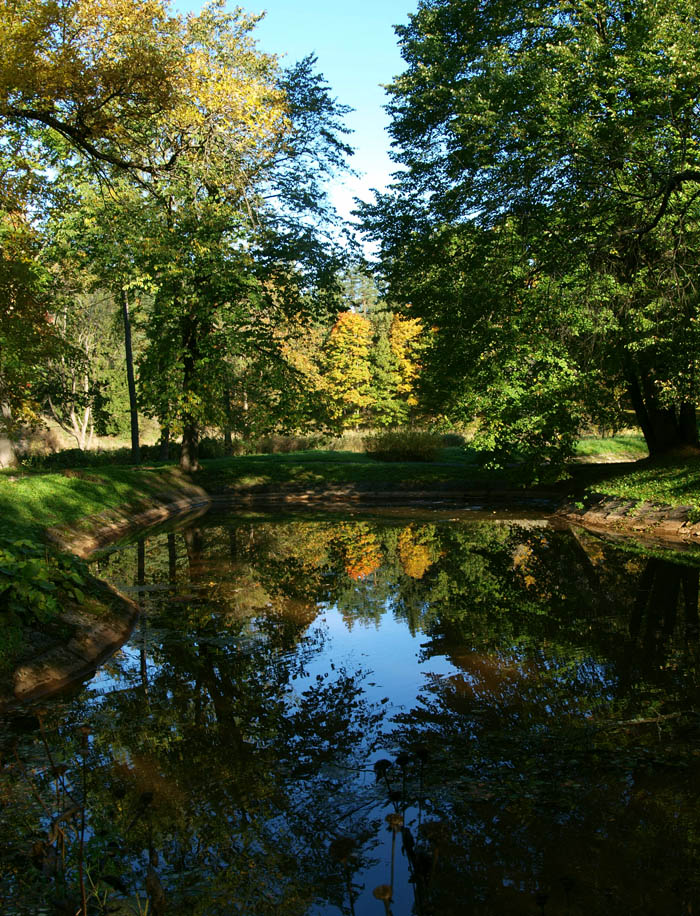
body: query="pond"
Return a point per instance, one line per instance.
(370, 716)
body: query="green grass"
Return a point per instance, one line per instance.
(33, 500)
(624, 447)
(319, 468)
(670, 482)
(36, 500)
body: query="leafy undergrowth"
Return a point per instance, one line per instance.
(35, 586)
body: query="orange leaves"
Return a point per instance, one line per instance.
(363, 552)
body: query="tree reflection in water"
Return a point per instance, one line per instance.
(271, 743)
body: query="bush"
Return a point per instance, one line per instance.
(403, 445)
(277, 444)
(453, 440)
(77, 458)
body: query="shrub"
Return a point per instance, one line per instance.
(277, 444)
(34, 586)
(403, 445)
(453, 440)
(77, 458)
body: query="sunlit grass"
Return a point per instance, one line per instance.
(623, 447)
(37, 500)
(672, 482)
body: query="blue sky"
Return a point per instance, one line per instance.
(357, 51)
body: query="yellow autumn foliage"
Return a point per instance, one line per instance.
(415, 552)
(406, 338)
(363, 552)
(128, 83)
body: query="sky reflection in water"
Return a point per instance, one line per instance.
(365, 717)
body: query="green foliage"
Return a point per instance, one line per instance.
(403, 445)
(35, 584)
(213, 221)
(27, 337)
(387, 409)
(546, 219)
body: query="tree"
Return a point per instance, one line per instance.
(407, 340)
(387, 409)
(27, 336)
(348, 372)
(95, 74)
(554, 148)
(73, 389)
(226, 239)
(237, 244)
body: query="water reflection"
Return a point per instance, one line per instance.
(355, 717)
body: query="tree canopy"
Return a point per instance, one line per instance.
(545, 219)
(167, 163)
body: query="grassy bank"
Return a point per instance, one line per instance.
(31, 501)
(36, 581)
(669, 482)
(45, 594)
(454, 466)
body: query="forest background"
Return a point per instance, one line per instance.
(165, 207)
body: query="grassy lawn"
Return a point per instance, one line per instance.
(319, 468)
(623, 447)
(35, 500)
(32, 500)
(667, 482)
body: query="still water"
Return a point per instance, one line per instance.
(371, 717)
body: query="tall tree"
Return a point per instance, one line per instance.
(96, 74)
(387, 408)
(553, 148)
(239, 243)
(27, 336)
(348, 370)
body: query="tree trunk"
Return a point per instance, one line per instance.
(671, 430)
(666, 429)
(8, 456)
(228, 440)
(190, 445)
(164, 450)
(133, 408)
(190, 433)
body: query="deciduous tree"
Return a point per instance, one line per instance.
(348, 371)
(553, 148)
